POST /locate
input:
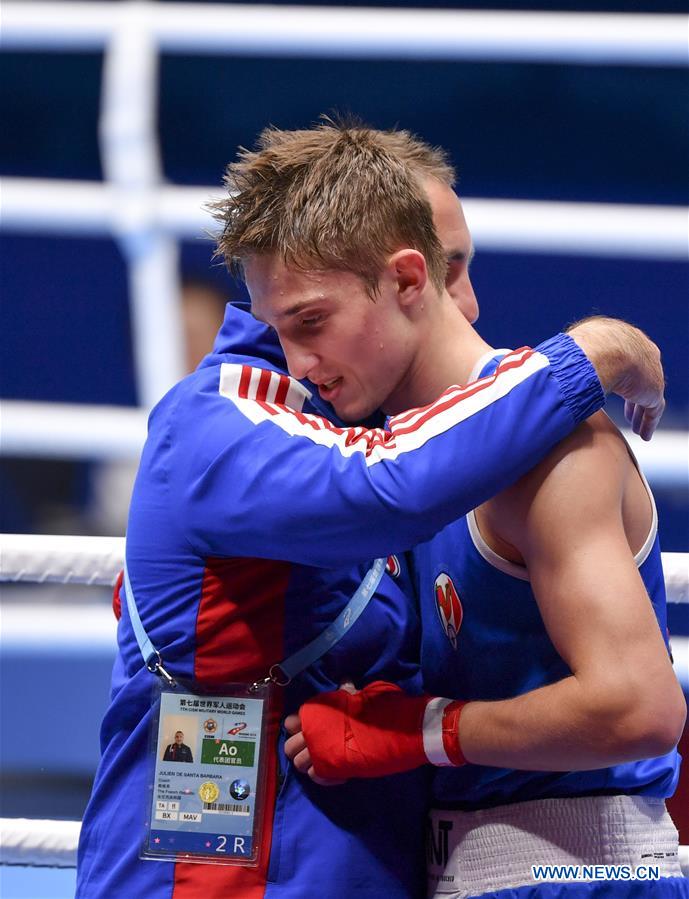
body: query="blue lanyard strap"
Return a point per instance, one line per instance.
(301, 660)
(151, 656)
(282, 672)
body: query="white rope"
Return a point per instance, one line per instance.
(71, 431)
(79, 208)
(40, 558)
(25, 841)
(68, 630)
(665, 460)
(76, 628)
(588, 229)
(66, 431)
(676, 572)
(680, 660)
(592, 38)
(54, 843)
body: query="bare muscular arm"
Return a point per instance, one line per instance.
(622, 702)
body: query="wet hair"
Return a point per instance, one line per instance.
(338, 196)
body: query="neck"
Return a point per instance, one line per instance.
(449, 347)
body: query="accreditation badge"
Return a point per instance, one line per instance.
(208, 786)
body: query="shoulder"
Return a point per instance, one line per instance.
(580, 478)
(595, 448)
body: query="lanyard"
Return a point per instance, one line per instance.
(282, 673)
(152, 658)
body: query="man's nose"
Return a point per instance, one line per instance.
(462, 294)
(472, 308)
(300, 361)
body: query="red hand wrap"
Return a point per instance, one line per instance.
(372, 733)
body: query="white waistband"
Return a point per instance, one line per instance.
(494, 849)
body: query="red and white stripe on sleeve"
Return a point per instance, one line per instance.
(263, 395)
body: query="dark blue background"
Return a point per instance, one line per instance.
(534, 131)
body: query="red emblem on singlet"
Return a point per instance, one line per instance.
(393, 566)
(449, 607)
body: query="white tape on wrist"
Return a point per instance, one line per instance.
(433, 731)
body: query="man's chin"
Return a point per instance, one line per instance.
(352, 413)
(348, 417)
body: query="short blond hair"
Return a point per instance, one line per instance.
(337, 196)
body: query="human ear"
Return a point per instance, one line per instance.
(407, 268)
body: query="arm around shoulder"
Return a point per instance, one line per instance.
(252, 478)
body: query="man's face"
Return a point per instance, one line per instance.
(451, 227)
(356, 350)
(179, 737)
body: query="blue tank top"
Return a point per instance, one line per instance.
(484, 639)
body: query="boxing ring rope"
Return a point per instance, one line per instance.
(85, 208)
(97, 561)
(76, 431)
(591, 38)
(31, 558)
(39, 843)
(40, 558)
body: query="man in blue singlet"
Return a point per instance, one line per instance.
(536, 610)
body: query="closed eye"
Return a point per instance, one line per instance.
(311, 321)
(459, 258)
(457, 265)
